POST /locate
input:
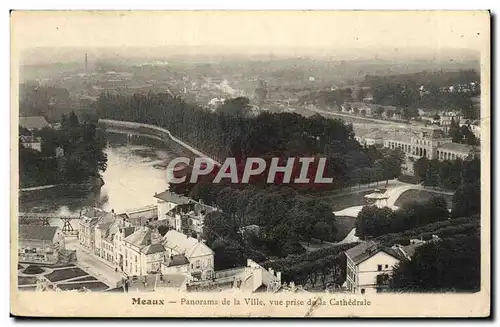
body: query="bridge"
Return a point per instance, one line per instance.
(43, 219)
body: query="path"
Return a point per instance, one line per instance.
(387, 122)
(367, 187)
(94, 265)
(127, 124)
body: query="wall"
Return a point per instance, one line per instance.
(45, 251)
(367, 271)
(165, 270)
(203, 264)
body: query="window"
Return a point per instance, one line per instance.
(362, 291)
(379, 268)
(387, 266)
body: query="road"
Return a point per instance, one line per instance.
(388, 122)
(93, 264)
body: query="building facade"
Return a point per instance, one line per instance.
(418, 145)
(369, 267)
(40, 244)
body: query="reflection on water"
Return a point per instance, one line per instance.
(135, 172)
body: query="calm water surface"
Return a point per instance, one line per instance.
(136, 170)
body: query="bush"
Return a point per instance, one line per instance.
(33, 270)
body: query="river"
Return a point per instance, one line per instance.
(136, 170)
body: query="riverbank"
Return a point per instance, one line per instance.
(97, 183)
(154, 131)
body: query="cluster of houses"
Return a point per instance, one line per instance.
(131, 243)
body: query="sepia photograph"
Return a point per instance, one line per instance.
(250, 163)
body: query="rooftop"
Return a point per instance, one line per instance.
(168, 196)
(183, 244)
(40, 233)
(366, 250)
(33, 122)
(153, 248)
(178, 260)
(140, 237)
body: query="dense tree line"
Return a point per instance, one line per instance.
(373, 221)
(448, 174)
(283, 216)
(451, 264)
(83, 144)
(404, 91)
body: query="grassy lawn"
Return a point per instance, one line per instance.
(419, 196)
(62, 274)
(85, 278)
(344, 226)
(25, 280)
(96, 287)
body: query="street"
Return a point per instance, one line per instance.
(93, 264)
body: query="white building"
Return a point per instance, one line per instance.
(199, 256)
(418, 145)
(369, 267)
(31, 142)
(143, 252)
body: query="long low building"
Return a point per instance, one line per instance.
(452, 151)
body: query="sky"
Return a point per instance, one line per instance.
(319, 32)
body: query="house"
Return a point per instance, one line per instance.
(87, 223)
(31, 142)
(189, 218)
(199, 256)
(40, 244)
(143, 252)
(33, 122)
(119, 247)
(369, 267)
(167, 200)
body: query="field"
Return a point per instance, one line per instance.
(63, 274)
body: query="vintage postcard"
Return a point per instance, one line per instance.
(250, 164)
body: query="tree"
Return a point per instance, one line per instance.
(373, 221)
(379, 111)
(391, 164)
(466, 200)
(454, 132)
(420, 168)
(452, 264)
(239, 107)
(322, 231)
